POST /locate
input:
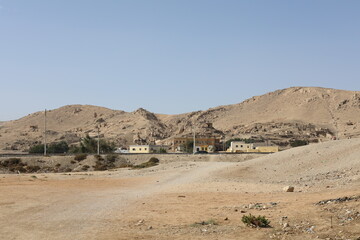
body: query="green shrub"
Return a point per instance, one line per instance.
(80, 157)
(252, 221)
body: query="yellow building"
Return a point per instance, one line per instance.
(268, 149)
(148, 148)
(239, 146)
(201, 144)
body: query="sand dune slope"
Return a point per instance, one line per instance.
(334, 163)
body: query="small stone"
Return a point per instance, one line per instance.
(285, 225)
(311, 229)
(288, 189)
(140, 222)
(286, 230)
(150, 227)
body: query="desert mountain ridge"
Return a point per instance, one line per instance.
(311, 113)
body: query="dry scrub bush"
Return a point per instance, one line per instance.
(16, 165)
(80, 157)
(202, 223)
(152, 162)
(252, 221)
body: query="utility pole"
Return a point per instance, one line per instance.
(98, 141)
(45, 133)
(194, 146)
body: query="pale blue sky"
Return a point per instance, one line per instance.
(171, 56)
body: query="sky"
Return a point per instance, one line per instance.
(171, 56)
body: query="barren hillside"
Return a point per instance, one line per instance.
(315, 114)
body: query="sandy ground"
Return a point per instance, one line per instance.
(168, 200)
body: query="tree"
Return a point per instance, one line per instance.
(56, 147)
(90, 145)
(37, 149)
(60, 147)
(188, 146)
(162, 150)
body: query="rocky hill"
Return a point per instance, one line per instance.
(314, 114)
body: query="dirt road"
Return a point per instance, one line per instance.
(51, 206)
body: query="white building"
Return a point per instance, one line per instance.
(240, 146)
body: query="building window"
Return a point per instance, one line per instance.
(139, 149)
(145, 149)
(133, 149)
(237, 146)
(241, 145)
